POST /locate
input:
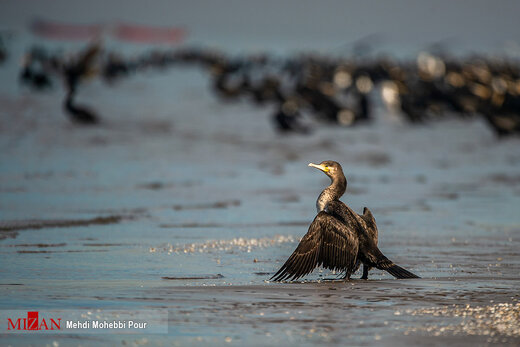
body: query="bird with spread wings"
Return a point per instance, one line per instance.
(338, 239)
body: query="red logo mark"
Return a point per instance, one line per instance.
(32, 322)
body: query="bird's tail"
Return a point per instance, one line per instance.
(383, 263)
(399, 272)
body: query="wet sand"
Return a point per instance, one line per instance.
(85, 229)
(178, 201)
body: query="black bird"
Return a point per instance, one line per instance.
(79, 114)
(74, 72)
(38, 80)
(338, 238)
(288, 118)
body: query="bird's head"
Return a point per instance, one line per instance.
(330, 168)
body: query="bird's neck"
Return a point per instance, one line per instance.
(333, 192)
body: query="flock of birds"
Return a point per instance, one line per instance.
(336, 90)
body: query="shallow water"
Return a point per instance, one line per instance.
(194, 219)
(181, 202)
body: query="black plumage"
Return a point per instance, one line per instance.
(74, 72)
(79, 114)
(328, 243)
(338, 239)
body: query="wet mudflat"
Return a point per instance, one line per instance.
(188, 204)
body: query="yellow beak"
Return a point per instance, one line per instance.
(319, 167)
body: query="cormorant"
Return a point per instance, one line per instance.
(35, 79)
(338, 238)
(74, 72)
(288, 118)
(79, 114)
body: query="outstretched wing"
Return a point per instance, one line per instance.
(328, 242)
(370, 254)
(363, 223)
(370, 223)
(344, 214)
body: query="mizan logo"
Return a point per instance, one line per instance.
(32, 322)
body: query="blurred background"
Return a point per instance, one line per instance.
(154, 155)
(294, 25)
